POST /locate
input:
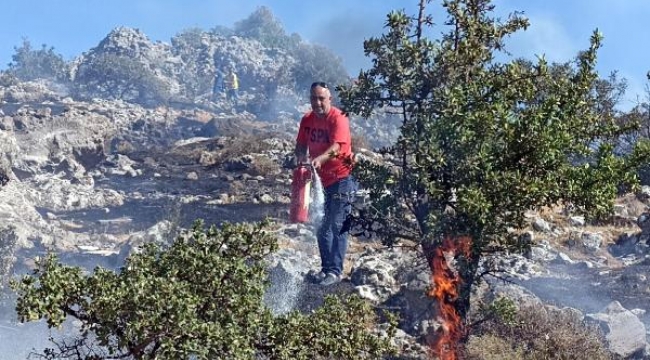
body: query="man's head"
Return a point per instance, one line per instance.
(321, 98)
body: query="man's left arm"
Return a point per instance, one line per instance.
(330, 153)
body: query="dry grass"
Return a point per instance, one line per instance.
(491, 347)
(566, 236)
(235, 148)
(265, 166)
(536, 332)
(236, 187)
(634, 206)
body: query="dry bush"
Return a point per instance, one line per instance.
(633, 206)
(236, 187)
(491, 347)
(236, 147)
(265, 166)
(246, 144)
(536, 333)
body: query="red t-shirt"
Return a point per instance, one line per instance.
(318, 134)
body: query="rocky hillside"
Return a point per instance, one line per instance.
(91, 178)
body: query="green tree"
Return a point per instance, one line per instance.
(201, 297)
(114, 76)
(263, 26)
(482, 141)
(317, 63)
(313, 62)
(30, 64)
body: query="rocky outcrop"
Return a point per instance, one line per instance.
(32, 92)
(8, 155)
(623, 330)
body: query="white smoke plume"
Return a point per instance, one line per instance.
(317, 197)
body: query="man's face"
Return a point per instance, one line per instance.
(321, 100)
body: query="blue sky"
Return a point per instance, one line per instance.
(559, 28)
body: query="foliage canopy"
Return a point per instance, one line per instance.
(482, 141)
(30, 64)
(113, 76)
(200, 297)
(263, 26)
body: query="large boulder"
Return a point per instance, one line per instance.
(373, 278)
(30, 91)
(624, 332)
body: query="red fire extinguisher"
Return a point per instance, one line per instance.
(300, 191)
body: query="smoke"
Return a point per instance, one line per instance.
(286, 279)
(25, 341)
(286, 282)
(282, 296)
(345, 34)
(317, 200)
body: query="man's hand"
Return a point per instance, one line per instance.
(317, 162)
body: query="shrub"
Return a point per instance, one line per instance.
(113, 76)
(265, 166)
(196, 73)
(536, 332)
(30, 64)
(317, 63)
(491, 347)
(221, 30)
(202, 298)
(263, 26)
(7, 79)
(236, 147)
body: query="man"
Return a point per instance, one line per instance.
(231, 83)
(218, 87)
(324, 135)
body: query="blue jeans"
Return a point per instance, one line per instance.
(333, 244)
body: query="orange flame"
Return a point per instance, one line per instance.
(446, 282)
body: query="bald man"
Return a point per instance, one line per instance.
(324, 136)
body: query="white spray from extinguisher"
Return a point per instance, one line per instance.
(317, 200)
